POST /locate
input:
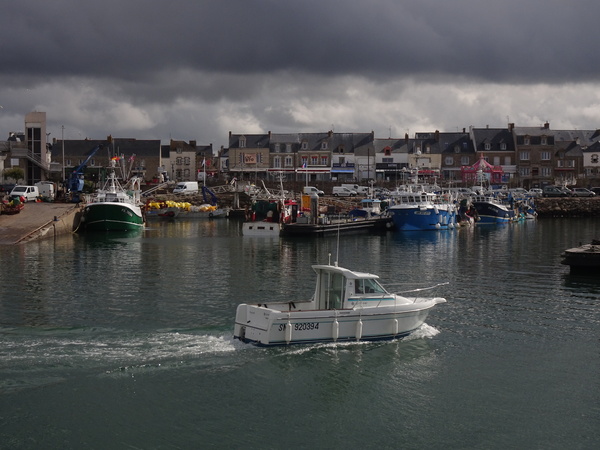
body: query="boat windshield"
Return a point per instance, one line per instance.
(368, 286)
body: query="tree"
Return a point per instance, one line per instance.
(16, 173)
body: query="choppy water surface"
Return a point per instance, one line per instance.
(125, 341)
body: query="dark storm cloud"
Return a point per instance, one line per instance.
(525, 41)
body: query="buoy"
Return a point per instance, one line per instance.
(335, 329)
(359, 330)
(288, 332)
(395, 327)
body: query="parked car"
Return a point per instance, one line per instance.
(554, 191)
(582, 192)
(595, 190)
(535, 192)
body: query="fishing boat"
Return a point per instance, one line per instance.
(583, 259)
(414, 211)
(268, 217)
(346, 306)
(114, 208)
(490, 210)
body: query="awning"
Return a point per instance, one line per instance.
(339, 170)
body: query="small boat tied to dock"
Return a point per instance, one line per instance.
(346, 306)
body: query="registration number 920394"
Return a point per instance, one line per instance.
(303, 326)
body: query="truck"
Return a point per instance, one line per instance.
(186, 187)
(47, 189)
(309, 190)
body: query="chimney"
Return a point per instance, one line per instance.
(406, 138)
(546, 126)
(511, 126)
(437, 136)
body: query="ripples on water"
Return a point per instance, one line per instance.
(149, 318)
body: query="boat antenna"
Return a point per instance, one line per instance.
(337, 251)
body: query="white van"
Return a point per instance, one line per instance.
(186, 187)
(30, 193)
(313, 190)
(342, 191)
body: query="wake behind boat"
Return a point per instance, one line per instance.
(113, 208)
(346, 306)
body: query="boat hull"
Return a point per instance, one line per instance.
(268, 229)
(108, 216)
(262, 326)
(417, 219)
(492, 213)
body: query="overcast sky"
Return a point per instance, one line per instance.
(197, 69)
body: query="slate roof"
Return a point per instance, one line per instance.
(493, 136)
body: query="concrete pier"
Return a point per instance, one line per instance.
(37, 220)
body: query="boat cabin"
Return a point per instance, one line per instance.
(339, 288)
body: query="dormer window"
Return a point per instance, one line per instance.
(456, 149)
(324, 145)
(544, 140)
(526, 141)
(487, 146)
(305, 145)
(503, 146)
(242, 142)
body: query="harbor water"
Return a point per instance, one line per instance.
(125, 341)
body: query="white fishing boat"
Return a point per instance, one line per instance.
(346, 306)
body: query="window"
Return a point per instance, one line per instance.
(464, 161)
(546, 171)
(545, 156)
(507, 160)
(92, 162)
(305, 145)
(324, 160)
(526, 141)
(277, 162)
(544, 140)
(387, 160)
(304, 161)
(496, 160)
(524, 171)
(178, 160)
(524, 156)
(314, 160)
(449, 160)
(456, 149)
(288, 148)
(323, 145)
(179, 150)
(594, 159)
(503, 146)
(242, 142)
(487, 146)
(288, 161)
(186, 160)
(566, 163)
(186, 173)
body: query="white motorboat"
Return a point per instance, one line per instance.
(346, 306)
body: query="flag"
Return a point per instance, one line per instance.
(203, 161)
(304, 165)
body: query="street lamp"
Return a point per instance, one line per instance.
(62, 141)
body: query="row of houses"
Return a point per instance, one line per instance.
(518, 156)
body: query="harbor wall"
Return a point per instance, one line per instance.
(568, 207)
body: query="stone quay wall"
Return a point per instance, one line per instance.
(568, 207)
